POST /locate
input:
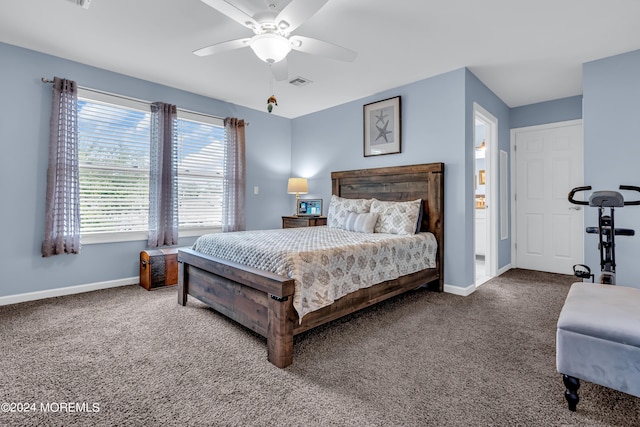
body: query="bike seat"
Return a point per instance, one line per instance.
(606, 199)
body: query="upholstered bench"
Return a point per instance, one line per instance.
(598, 339)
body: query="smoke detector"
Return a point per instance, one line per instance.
(300, 81)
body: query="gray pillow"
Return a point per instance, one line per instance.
(360, 222)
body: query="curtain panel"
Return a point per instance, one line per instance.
(233, 205)
(163, 176)
(62, 217)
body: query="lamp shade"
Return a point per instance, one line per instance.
(270, 47)
(297, 186)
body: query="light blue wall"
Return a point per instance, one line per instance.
(611, 104)
(434, 129)
(24, 118)
(558, 110)
(477, 92)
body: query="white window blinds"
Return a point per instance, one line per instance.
(113, 137)
(200, 171)
(113, 151)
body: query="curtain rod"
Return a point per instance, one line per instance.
(46, 80)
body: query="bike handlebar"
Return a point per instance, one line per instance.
(631, 188)
(588, 187)
(576, 190)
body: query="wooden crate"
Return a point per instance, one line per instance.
(158, 267)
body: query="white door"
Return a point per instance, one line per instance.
(549, 229)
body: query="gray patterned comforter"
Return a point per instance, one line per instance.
(326, 263)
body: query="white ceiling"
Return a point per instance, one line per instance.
(525, 51)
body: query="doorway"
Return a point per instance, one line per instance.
(485, 151)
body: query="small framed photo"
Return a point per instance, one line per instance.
(309, 207)
(382, 127)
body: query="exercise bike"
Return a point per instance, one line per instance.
(605, 230)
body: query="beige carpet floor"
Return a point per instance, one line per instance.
(129, 357)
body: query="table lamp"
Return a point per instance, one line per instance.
(297, 186)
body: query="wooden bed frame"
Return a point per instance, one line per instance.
(263, 301)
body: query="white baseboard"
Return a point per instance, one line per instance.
(504, 269)
(70, 290)
(457, 290)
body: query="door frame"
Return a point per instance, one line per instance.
(491, 186)
(514, 162)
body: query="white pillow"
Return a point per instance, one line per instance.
(361, 222)
(339, 207)
(396, 217)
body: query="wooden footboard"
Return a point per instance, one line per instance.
(260, 300)
(263, 301)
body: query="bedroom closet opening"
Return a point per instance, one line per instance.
(484, 149)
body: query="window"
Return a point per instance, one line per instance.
(113, 155)
(113, 151)
(200, 172)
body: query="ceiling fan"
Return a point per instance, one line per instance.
(272, 40)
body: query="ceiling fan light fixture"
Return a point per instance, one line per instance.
(270, 47)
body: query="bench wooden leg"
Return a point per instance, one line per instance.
(571, 393)
(182, 284)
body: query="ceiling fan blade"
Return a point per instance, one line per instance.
(222, 47)
(295, 13)
(319, 47)
(280, 70)
(232, 12)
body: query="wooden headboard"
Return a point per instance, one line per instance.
(400, 183)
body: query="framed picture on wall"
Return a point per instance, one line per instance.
(382, 127)
(481, 177)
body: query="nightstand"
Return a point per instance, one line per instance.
(303, 221)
